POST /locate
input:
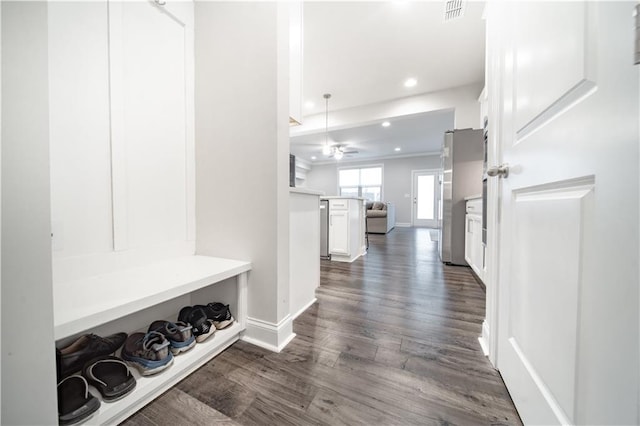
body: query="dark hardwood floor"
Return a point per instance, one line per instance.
(392, 340)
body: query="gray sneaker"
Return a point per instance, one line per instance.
(149, 352)
(179, 335)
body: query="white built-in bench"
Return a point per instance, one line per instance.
(84, 305)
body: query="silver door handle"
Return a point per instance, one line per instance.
(500, 171)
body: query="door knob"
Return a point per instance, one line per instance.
(500, 171)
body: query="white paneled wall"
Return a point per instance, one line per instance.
(79, 128)
(150, 186)
(123, 179)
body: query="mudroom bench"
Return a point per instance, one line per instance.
(130, 299)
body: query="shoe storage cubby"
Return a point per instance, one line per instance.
(129, 300)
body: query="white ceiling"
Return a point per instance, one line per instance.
(362, 52)
(413, 134)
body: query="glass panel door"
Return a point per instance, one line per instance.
(424, 198)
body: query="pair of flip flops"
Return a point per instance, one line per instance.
(109, 374)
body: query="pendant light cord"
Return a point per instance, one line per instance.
(326, 123)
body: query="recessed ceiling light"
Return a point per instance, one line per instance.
(386, 124)
(410, 82)
(397, 149)
(309, 104)
(313, 157)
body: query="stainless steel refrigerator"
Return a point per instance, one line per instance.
(324, 229)
(462, 161)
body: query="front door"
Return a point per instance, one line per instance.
(563, 100)
(424, 195)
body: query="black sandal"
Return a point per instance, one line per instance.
(111, 376)
(75, 403)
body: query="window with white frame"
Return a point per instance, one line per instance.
(365, 182)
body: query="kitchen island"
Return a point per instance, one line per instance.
(347, 222)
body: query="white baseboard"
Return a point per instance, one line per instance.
(267, 335)
(304, 308)
(403, 225)
(484, 345)
(484, 338)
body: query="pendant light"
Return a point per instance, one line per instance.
(326, 149)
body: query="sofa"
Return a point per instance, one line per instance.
(381, 217)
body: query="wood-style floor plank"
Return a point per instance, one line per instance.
(175, 407)
(392, 340)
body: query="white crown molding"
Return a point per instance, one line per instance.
(384, 157)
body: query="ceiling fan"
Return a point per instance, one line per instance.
(335, 151)
(339, 151)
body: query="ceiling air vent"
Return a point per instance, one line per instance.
(454, 9)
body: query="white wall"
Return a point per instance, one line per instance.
(242, 171)
(28, 366)
(396, 184)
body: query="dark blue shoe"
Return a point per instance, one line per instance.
(149, 352)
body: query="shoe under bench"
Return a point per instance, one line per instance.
(133, 297)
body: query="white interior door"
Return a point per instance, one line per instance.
(563, 98)
(424, 195)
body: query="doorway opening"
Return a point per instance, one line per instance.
(424, 194)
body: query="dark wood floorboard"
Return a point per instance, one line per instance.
(392, 340)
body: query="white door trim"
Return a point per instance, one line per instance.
(492, 249)
(413, 194)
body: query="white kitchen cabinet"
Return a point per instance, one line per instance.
(474, 249)
(346, 228)
(339, 232)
